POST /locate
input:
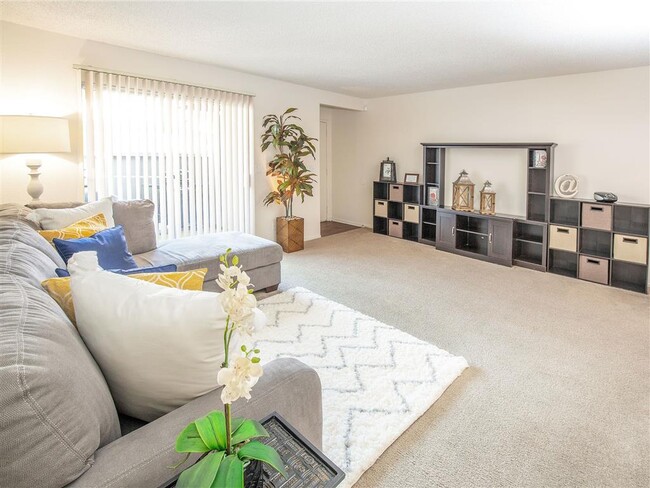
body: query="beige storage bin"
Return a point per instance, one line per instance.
(395, 228)
(381, 208)
(396, 193)
(631, 248)
(411, 213)
(594, 269)
(597, 216)
(563, 238)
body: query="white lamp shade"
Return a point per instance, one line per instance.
(30, 134)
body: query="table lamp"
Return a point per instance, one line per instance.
(34, 135)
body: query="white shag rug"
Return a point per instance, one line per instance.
(376, 379)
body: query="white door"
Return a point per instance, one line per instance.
(323, 177)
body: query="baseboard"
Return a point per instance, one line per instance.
(349, 222)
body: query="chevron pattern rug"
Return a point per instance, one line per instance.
(377, 380)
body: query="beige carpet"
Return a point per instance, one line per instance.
(557, 393)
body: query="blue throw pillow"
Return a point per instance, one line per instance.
(110, 245)
(167, 268)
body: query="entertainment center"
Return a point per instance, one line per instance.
(605, 243)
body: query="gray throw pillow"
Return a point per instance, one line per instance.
(136, 216)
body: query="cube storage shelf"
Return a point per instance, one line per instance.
(606, 243)
(397, 209)
(598, 242)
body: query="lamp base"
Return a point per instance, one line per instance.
(34, 187)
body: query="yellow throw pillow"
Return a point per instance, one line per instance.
(83, 228)
(59, 288)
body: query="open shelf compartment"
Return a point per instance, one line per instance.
(536, 207)
(529, 252)
(630, 276)
(380, 190)
(565, 212)
(380, 225)
(526, 231)
(563, 263)
(596, 243)
(411, 194)
(410, 231)
(429, 231)
(631, 220)
(472, 242)
(536, 180)
(395, 210)
(470, 223)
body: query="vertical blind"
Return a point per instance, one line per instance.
(188, 149)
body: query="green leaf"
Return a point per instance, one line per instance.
(218, 422)
(212, 429)
(230, 474)
(235, 423)
(247, 430)
(235, 260)
(204, 427)
(264, 453)
(203, 473)
(189, 440)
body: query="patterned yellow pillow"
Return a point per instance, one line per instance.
(83, 228)
(59, 288)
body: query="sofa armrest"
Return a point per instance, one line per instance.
(142, 458)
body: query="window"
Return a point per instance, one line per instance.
(188, 149)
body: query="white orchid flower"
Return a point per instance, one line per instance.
(239, 379)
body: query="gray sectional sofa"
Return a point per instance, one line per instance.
(58, 423)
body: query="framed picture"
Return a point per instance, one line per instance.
(387, 171)
(539, 158)
(411, 178)
(433, 196)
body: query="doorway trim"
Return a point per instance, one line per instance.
(328, 168)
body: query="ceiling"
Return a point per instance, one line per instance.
(367, 49)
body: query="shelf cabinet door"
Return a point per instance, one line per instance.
(500, 241)
(446, 230)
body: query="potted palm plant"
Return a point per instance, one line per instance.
(291, 176)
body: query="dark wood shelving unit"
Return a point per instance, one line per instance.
(397, 209)
(603, 243)
(528, 252)
(606, 243)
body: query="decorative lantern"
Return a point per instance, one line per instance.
(463, 196)
(488, 199)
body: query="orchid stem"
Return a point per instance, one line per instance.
(228, 427)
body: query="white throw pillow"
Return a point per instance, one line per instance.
(158, 347)
(59, 218)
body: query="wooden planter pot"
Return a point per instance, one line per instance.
(290, 233)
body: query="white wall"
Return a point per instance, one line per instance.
(36, 77)
(600, 121)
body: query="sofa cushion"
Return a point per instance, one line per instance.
(109, 244)
(83, 228)
(204, 251)
(136, 216)
(59, 288)
(55, 407)
(50, 218)
(158, 347)
(15, 231)
(168, 268)
(23, 261)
